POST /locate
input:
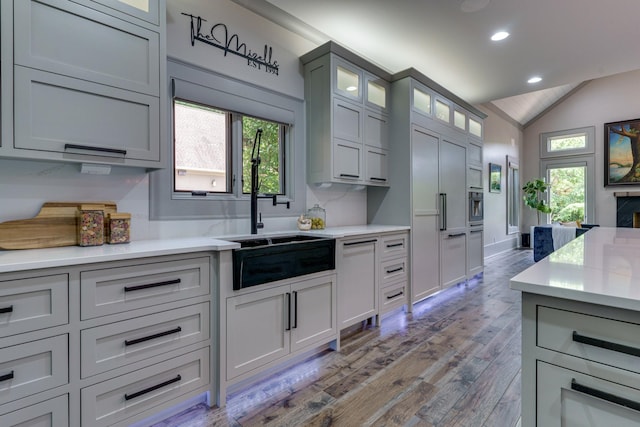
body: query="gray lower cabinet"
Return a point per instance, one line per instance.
(107, 343)
(579, 364)
(83, 81)
(356, 261)
(275, 322)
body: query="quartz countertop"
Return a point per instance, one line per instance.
(31, 259)
(601, 267)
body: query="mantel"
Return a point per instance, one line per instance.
(626, 194)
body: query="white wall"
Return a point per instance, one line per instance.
(25, 185)
(502, 137)
(604, 100)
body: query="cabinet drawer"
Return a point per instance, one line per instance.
(119, 289)
(565, 398)
(555, 331)
(394, 245)
(55, 113)
(33, 303)
(393, 270)
(118, 344)
(50, 413)
(72, 40)
(33, 367)
(393, 296)
(123, 397)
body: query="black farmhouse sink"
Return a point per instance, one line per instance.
(267, 259)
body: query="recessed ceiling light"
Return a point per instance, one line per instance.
(535, 79)
(500, 35)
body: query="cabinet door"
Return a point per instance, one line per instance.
(347, 79)
(376, 161)
(80, 43)
(453, 172)
(347, 121)
(565, 399)
(257, 329)
(376, 129)
(475, 258)
(313, 312)
(54, 113)
(425, 253)
(357, 287)
(347, 161)
(453, 250)
(376, 93)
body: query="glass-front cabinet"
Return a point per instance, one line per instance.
(348, 80)
(421, 101)
(145, 10)
(377, 93)
(443, 110)
(475, 127)
(347, 122)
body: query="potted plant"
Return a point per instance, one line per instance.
(533, 198)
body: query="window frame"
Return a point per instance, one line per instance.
(589, 132)
(572, 161)
(198, 85)
(570, 158)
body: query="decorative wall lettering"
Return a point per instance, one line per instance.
(218, 36)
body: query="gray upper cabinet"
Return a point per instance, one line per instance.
(347, 120)
(86, 80)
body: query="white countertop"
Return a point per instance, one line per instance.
(31, 259)
(602, 267)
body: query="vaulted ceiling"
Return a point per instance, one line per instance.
(565, 42)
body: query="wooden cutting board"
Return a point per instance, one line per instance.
(55, 225)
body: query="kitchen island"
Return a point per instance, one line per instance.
(581, 332)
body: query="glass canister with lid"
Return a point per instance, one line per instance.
(318, 217)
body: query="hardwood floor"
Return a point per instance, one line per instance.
(455, 361)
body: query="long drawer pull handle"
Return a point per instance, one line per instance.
(360, 243)
(295, 310)
(288, 328)
(456, 235)
(6, 309)
(154, 336)
(348, 175)
(620, 348)
(395, 245)
(395, 295)
(373, 178)
(152, 388)
(100, 149)
(395, 270)
(605, 396)
(151, 285)
(6, 377)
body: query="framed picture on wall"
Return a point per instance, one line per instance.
(622, 153)
(495, 178)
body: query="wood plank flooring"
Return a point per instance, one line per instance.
(455, 361)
